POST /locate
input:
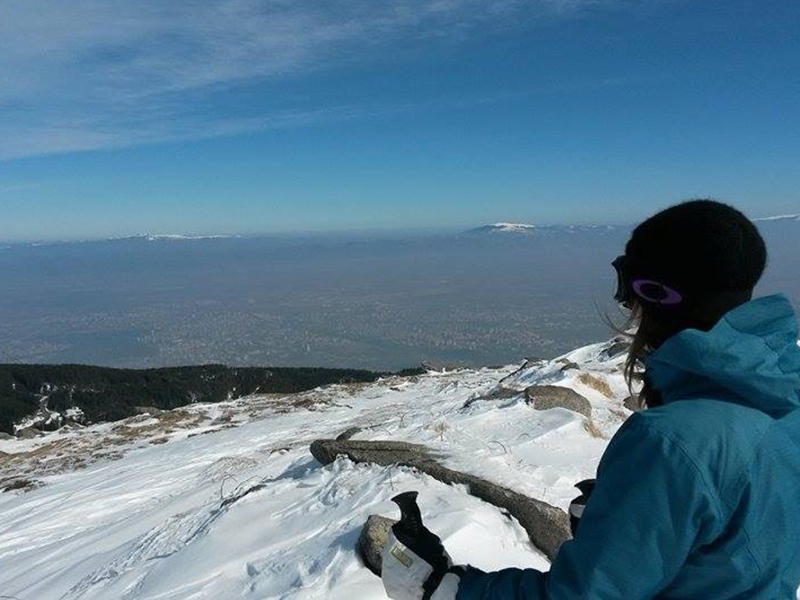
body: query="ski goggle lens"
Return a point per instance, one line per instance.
(623, 293)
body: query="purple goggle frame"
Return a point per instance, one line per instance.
(646, 289)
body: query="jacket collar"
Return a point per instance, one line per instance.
(750, 357)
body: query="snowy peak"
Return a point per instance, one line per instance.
(505, 228)
(171, 237)
(782, 218)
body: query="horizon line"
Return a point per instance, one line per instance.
(217, 235)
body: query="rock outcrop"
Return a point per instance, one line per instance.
(570, 366)
(28, 433)
(547, 526)
(619, 346)
(498, 393)
(544, 397)
(383, 453)
(372, 540)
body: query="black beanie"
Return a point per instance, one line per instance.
(701, 248)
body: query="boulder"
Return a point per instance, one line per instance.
(616, 348)
(372, 540)
(28, 433)
(544, 397)
(498, 393)
(547, 526)
(6, 436)
(380, 453)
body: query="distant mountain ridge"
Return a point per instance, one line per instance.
(526, 229)
(780, 218)
(170, 237)
(499, 227)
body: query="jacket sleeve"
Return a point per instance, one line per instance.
(650, 508)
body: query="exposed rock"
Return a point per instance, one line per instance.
(52, 423)
(372, 540)
(382, 453)
(17, 483)
(225, 417)
(348, 433)
(632, 403)
(618, 347)
(28, 433)
(6, 436)
(533, 361)
(498, 393)
(570, 366)
(547, 526)
(544, 397)
(529, 363)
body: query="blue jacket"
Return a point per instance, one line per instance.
(698, 498)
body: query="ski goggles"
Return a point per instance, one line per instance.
(646, 289)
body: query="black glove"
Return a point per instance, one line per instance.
(415, 564)
(578, 504)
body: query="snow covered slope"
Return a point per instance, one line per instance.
(780, 218)
(225, 501)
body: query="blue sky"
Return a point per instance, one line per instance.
(251, 116)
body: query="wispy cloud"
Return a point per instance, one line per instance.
(91, 74)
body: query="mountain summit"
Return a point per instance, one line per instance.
(505, 228)
(780, 218)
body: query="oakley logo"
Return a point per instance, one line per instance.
(656, 292)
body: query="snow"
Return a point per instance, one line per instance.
(153, 523)
(225, 500)
(512, 227)
(180, 237)
(780, 218)
(74, 413)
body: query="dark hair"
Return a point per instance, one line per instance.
(709, 251)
